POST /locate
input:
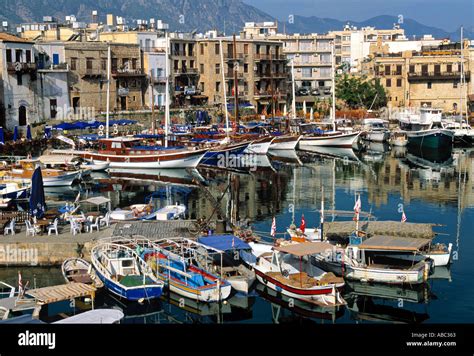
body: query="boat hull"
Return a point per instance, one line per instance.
(377, 136)
(228, 157)
(339, 140)
(285, 142)
(431, 139)
(259, 147)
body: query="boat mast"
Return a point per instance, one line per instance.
(152, 102)
(321, 227)
(224, 89)
(293, 103)
(462, 79)
(333, 75)
(167, 89)
(236, 81)
(107, 114)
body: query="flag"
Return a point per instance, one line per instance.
(357, 206)
(404, 217)
(274, 228)
(303, 224)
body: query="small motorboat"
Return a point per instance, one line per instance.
(134, 212)
(77, 270)
(124, 273)
(398, 139)
(95, 166)
(169, 212)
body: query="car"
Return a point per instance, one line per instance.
(315, 92)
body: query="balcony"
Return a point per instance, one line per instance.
(270, 57)
(270, 75)
(159, 80)
(127, 72)
(185, 71)
(230, 75)
(19, 67)
(269, 93)
(94, 73)
(60, 67)
(422, 76)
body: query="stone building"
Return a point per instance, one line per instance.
(88, 77)
(261, 72)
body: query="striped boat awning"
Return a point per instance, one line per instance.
(383, 243)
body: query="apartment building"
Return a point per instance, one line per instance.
(88, 76)
(258, 64)
(428, 77)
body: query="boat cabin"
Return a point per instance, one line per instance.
(130, 146)
(120, 264)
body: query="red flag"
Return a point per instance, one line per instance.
(404, 217)
(303, 224)
(274, 228)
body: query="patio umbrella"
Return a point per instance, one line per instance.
(285, 112)
(304, 108)
(28, 133)
(311, 114)
(2, 136)
(15, 134)
(37, 198)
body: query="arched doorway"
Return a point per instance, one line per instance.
(22, 115)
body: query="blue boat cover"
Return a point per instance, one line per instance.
(224, 242)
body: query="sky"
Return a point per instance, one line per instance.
(445, 14)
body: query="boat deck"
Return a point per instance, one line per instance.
(134, 281)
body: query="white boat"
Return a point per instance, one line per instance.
(96, 166)
(13, 190)
(259, 146)
(77, 270)
(169, 212)
(375, 130)
(285, 142)
(368, 262)
(96, 316)
(330, 139)
(398, 139)
(286, 269)
(463, 132)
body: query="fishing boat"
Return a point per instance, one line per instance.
(124, 273)
(463, 132)
(171, 261)
(231, 266)
(51, 177)
(286, 269)
(330, 139)
(127, 152)
(259, 146)
(375, 130)
(77, 270)
(398, 139)
(425, 130)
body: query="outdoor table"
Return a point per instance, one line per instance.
(42, 224)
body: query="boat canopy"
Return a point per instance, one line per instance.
(96, 200)
(224, 242)
(383, 243)
(98, 316)
(305, 248)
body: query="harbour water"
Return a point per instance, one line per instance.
(430, 189)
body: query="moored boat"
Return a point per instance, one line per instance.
(77, 270)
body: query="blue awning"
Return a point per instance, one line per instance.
(224, 242)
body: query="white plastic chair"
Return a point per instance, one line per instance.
(10, 228)
(53, 227)
(96, 225)
(105, 221)
(75, 227)
(31, 229)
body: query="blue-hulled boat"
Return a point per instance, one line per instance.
(124, 273)
(225, 156)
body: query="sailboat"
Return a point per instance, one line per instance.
(332, 138)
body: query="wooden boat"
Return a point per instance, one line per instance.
(77, 270)
(330, 139)
(51, 177)
(172, 263)
(126, 152)
(227, 251)
(124, 273)
(260, 146)
(286, 269)
(225, 156)
(13, 190)
(375, 130)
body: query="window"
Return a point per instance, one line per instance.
(449, 68)
(246, 48)
(424, 69)
(412, 68)
(201, 49)
(114, 64)
(191, 64)
(387, 70)
(399, 83)
(53, 108)
(217, 49)
(103, 64)
(218, 68)
(437, 69)
(18, 55)
(429, 85)
(305, 46)
(388, 83)
(305, 58)
(201, 68)
(134, 63)
(306, 72)
(9, 55)
(202, 86)
(89, 63)
(246, 68)
(19, 79)
(399, 70)
(455, 85)
(218, 86)
(28, 56)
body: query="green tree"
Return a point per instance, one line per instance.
(358, 92)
